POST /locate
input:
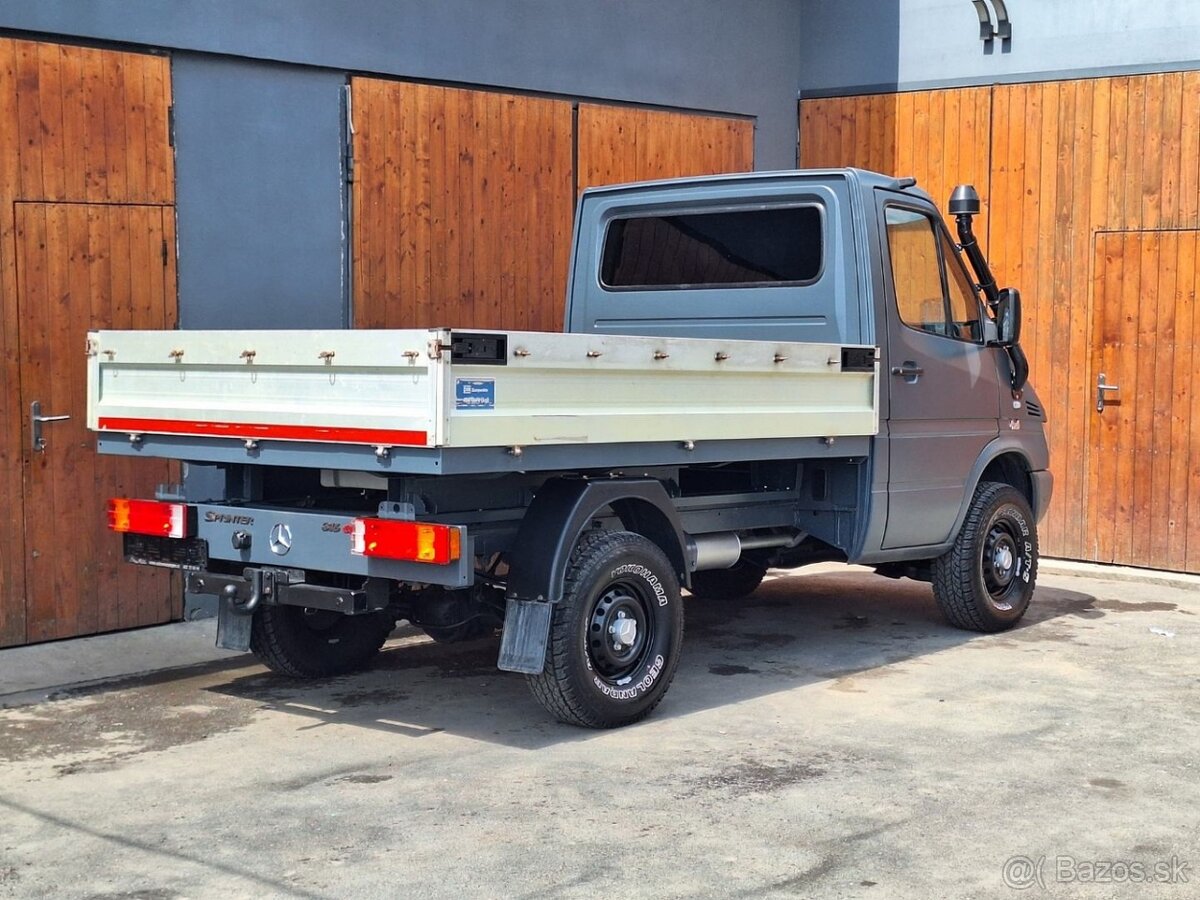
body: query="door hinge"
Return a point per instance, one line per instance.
(349, 154)
(171, 125)
(165, 253)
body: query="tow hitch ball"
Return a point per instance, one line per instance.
(261, 586)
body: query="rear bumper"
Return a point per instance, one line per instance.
(288, 541)
(279, 587)
(240, 595)
(1043, 489)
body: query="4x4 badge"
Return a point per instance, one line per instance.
(281, 539)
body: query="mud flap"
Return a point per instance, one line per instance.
(233, 624)
(526, 634)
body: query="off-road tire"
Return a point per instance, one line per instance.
(304, 643)
(734, 583)
(610, 573)
(973, 587)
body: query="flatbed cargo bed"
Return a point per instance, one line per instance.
(437, 401)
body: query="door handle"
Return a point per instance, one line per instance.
(35, 425)
(1103, 388)
(910, 371)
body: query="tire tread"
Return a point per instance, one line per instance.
(273, 641)
(552, 687)
(954, 571)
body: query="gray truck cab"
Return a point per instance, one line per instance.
(839, 256)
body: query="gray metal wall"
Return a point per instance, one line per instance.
(717, 55)
(259, 115)
(260, 194)
(850, 46)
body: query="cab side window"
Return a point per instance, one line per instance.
(933, 293)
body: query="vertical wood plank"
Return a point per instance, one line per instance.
(115, 122)
(1133, 162)
(109, 566)
(371, 139)
(1101, 510)
(1189, 152)
(1076, 212)
(50, 115)
(1126, 371)
(74, 124)
(1192, 258)
(1140, 357)
(160, 161)
(12, 454)
(94, 139)
(29, 123)
(1172, 145)
(1037, 248)
(1151, 154)
(1185, 447)
(1055, 346)
(136, 150)
(75, 472)
(905, 122)
(1160, 342)
(10, 134)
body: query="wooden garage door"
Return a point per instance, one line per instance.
(461, 207)
(1143, 473)
(1093, 186)
(621, 143)
(78, 125)
(78, 267)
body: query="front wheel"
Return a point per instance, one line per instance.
(984, 582)
(615, 636)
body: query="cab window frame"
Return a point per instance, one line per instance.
(941, 238)
(822, 233)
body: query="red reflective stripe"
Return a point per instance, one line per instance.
(258, 432)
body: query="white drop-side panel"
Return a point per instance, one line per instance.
(654, 389)
(288, 389)
(398, 387)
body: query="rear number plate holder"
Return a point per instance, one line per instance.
(188, 554)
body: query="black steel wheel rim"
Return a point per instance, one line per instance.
(1002, 563)
(620, 631)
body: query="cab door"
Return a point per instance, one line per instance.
(943, 383)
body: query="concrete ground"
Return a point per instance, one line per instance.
(829, 737)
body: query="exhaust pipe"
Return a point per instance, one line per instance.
(722, 550)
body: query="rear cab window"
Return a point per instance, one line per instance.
(719, 249)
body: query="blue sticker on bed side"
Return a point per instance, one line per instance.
(474, 393)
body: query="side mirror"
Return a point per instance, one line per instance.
(1008, 318)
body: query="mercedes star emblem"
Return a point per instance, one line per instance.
(281, 539)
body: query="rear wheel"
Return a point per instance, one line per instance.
(615, 636)
(316, 643)
(984, 582)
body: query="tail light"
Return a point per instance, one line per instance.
(148, 517)
(412, 541)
